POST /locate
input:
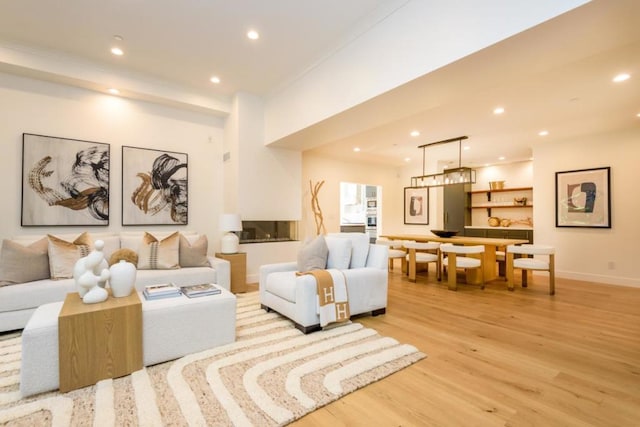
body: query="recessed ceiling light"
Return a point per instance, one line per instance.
(415, 133)
(638, 115)
(407, 159)
(543, 133)
(498, 110)
(117, 51)
(501, 158)
(356, 149)
(253, 35)
(114, 91)
(466, 148)
(215, 79)
(621, 77)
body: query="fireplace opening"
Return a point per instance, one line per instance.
(268, 231)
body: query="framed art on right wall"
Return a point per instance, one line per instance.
(583, 198)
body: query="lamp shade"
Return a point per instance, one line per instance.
(230, 222)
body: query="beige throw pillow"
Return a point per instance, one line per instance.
(159, 255)
(193, 252)
(63, 255)
(313, 255)
(20, 264)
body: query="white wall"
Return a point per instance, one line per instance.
(39, 107)
(586, 253)
(261, 183)
(268, 177)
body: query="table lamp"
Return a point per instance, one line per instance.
(229, 242)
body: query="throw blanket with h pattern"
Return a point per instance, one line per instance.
(333, 301)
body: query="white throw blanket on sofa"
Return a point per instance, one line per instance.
(333, 299)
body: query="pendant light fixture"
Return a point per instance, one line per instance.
(459, 175)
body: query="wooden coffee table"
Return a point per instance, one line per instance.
(98, 341)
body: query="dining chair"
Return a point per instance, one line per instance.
(396, 251)
(423, 253)
(453, 262)
(545, 261)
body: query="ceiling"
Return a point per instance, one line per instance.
(556, 76)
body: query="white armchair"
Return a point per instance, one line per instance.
(363, 264)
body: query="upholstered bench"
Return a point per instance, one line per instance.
(171, 328)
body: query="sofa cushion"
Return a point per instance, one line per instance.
(339, 252)
(359, 247)
(30, 295)
(19, 263)
(159, 255)
(313, 255)
(63, 254)
(193, 250)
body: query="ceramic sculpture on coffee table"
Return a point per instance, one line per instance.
(123, 278)
(90, 275)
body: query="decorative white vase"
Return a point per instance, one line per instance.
(123, 278)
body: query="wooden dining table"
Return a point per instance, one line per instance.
(489, 256)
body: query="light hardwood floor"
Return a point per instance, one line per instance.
(499, 358)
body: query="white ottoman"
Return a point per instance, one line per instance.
(175, 327)
(39, 369)
(171, 328)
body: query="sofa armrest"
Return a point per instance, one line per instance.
(223, 271)
(267, 269)
(378, 256)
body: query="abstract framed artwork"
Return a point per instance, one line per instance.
(65, 182)
(583, 198)
(416, 205)
(154, 187)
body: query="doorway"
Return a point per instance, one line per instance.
(360, 208)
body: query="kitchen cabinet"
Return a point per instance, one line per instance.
(456, 206)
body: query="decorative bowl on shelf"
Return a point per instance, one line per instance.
(445, 233)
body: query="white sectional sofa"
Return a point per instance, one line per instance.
(295, 296)
(19, 300)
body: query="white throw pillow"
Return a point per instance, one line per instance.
(339, 252)
(359, 247)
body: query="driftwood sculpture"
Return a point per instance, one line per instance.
(315, 207)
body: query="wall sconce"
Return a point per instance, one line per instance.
(229, 244)
(459, 175)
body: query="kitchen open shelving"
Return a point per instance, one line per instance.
(493, 204)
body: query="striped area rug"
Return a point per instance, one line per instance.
(272, 375)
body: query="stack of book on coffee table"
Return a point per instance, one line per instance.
(166, 290)
(201, 290)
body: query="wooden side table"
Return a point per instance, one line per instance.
(98, 341)
(238, 270)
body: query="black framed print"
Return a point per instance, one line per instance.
(154, 187)
(583, 198)
(65, 182)
(416, 205)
